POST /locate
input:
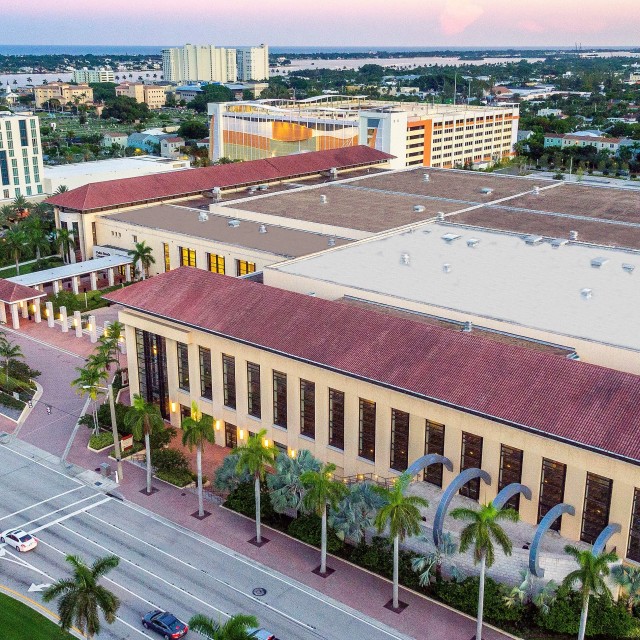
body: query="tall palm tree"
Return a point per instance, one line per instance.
(144, 418)
(629, 579)
(322, 490)
(254, 457)
(238, 627)
(590, 576)
(197, 431)
(61, 189)
(81, 597)
(64, 242)
(9, 351)
(7, 214)
(36, 236)
(402, 515)
(15, 241)
(141, 255)
(481, 532)
(87, 383)
(20, 204)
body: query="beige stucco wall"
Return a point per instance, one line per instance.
(625, 476)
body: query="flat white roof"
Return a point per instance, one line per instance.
(70, 270)
(573, 289)
(146, 164)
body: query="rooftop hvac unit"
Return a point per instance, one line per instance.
(586, 293)
(216, 192)
(472, 242)
(599, 262)
(556, 243)
(234, 223)
(418, 208)
(440, 216)
(446, 267)
(536, 191)
(331, 241)
(628, 267)
(203, 216)
(573, 235)
(467, 326)
(333, 173)
(405, 258)
(450, 237)
(425, 177)
(263, 228)
(533, 240)
(323, 199)
(486, 191)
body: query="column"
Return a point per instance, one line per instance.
(94, 280)
(128, 269)
(24, 308)
(105, 328)
(93, 333)
(49, 313)
(64, 320)
(75, 282)
(3, 313)
(110, 275)
(15, 318)
(56, 287)
(36, 310)
(77, 323)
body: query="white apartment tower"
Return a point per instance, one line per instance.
(204, 63)
(84, 75)
(20, 156)
(253, 63)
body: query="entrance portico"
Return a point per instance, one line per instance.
(21, 300)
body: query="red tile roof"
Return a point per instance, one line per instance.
(577, 402)
(13, 292)
(126, 191)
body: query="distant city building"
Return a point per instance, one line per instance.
(634, 78)
(170, 146)
(64, 93)
(20, 156)
(416, 134)
(253, 63)
(199, 62)
(582, 140)
(85, 75)
(556, 113)
(155, 97)
(114, 137)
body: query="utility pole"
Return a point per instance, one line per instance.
(114, 429)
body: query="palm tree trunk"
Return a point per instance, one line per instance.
(483, 564)
(38, 253)
(147, 446)
(142, 274)
(396, 562)
(257, 490)
(323, 542)
(17, 265)
(583, 618)
(199, 465)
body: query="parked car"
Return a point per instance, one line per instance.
(261, 634)
(18, 539)
(166, 624)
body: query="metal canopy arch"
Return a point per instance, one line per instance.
(551, 516)
(423, 462)
(603, 538)
(456, 484)
(508, 492)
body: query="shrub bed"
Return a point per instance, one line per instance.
(100, 440)
(10, 402)
(179, 478)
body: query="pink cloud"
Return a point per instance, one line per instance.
(530, 26)
(457, 15)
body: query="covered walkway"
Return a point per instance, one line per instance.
(108, 268)
(22, 300)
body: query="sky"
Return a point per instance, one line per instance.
(411, 23)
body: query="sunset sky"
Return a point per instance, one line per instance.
(457, 23)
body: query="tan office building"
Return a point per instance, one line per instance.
(64, 93)
(155, 97)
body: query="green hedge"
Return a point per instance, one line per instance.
(169, 461)
(101, 440)
(11, 402)
(308, 528)
(242, 499)
(180, 478)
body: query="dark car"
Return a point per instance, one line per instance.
(166, 624)
(261, 634)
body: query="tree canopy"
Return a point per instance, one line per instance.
(211, 93)
(193, 130)
(126, 110)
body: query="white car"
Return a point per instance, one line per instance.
(18, 539)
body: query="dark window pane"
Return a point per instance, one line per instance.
(206, 390)
(597, 501)
(367, 431)
(307, 408)
(336, 418)
(253, 390)
(551, 489)
(471, 458)
(152, 369)
(633, 551)
(399, 440)
(280, 399)
(229, 380)
(230, 435)
(510, 471)
(183, 366)
(434, 443)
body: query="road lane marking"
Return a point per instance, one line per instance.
(43, 343)
(69, 515)
(34, 461)
(51, 513)
(36, 504)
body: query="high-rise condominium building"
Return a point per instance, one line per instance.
(253, 63)
(199, 63)
(85, 75)
(20, 156)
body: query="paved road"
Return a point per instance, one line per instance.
(161, 564)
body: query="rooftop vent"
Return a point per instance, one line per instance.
(467, 327)
(486, 191)
(425, 177)
(405, 258)
(628, 267)
(586, 293)
(446, 267)
(323, 199)
(536, 191)
(440, 216)
(217, 194)
(331, 241)
(533, 240)
(599, 262)
(203, 216)
(418, 208)
(472, 242)
(263, 228)
(333, 173)
(573, 235)
(450, 237)
(234, 223)
(556, 243)
(312, 294)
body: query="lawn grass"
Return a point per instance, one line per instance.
(10, 272)
(20, 622)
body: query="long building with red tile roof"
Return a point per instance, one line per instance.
(372, 392)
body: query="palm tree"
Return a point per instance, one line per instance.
(593, 569)
(629, 579)
(9, 351)
(356, 512)
(144, 418)
(89, 379)
(197, 431)
(322, 490)
(20, 204)
(238, 627)
(255, 456)
(111, 338)
(36, 236)
(81, 597)
(431, 563)
(61, 189)
(481, 532)
(7, 214)
(15, 240)
(64, 242)
(402, 514)
(285, 485)
(141, 255)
